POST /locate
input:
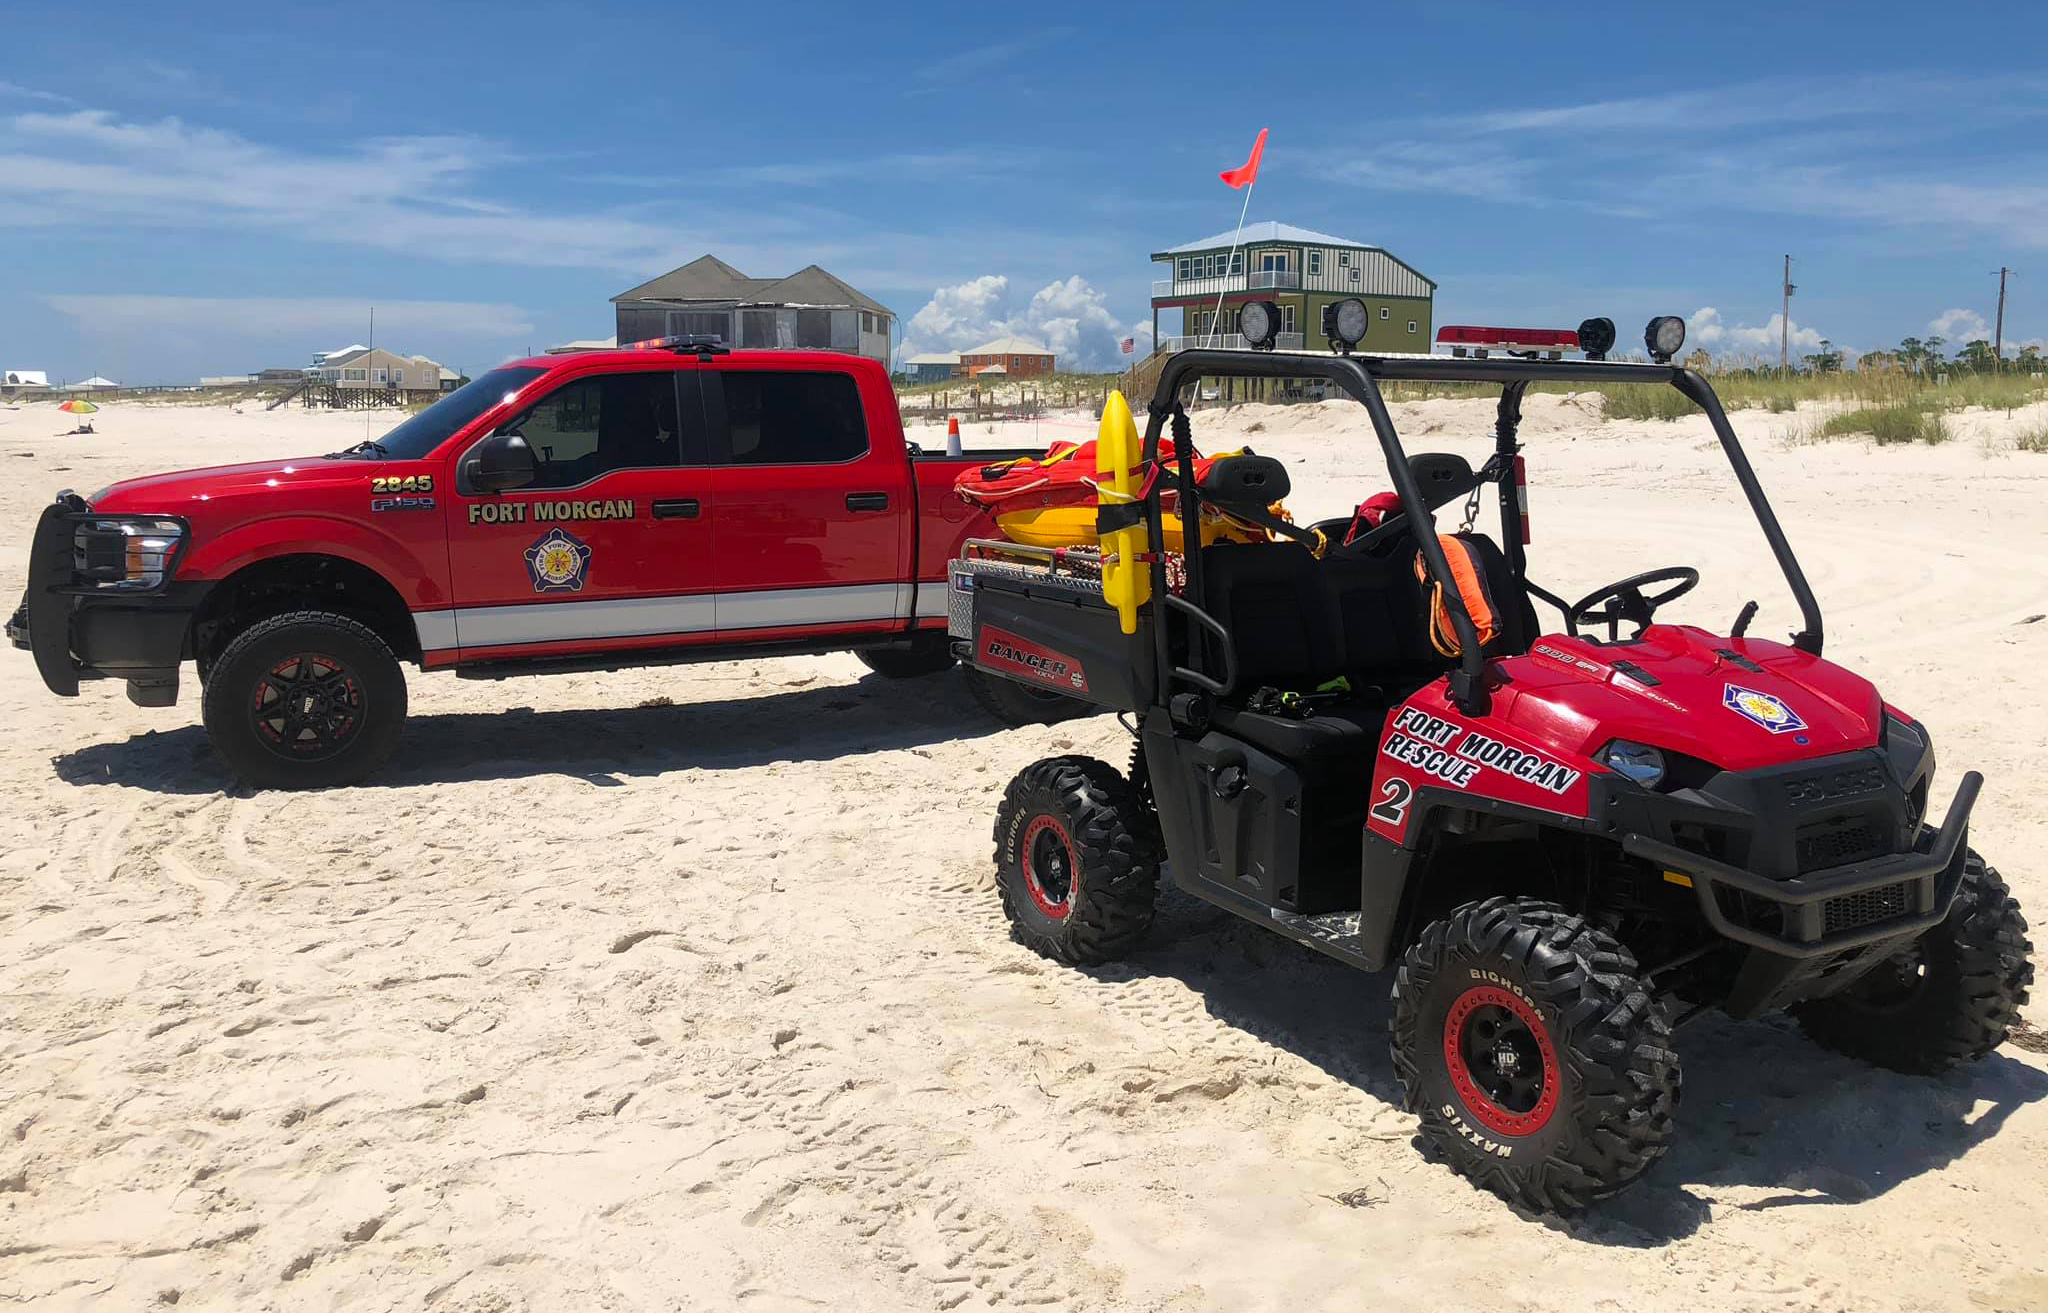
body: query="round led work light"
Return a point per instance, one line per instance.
(1665, 334)
(1596, 338)
(1259, 321)
(1345, 322)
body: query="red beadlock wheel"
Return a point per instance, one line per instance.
(1501, 1060)
(1049, 866)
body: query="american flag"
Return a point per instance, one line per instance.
(1129, 345)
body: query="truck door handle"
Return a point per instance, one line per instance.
(681, 508)
(867, 501)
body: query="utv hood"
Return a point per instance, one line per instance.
(1738, 703)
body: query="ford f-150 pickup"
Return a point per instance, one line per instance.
(665, 502)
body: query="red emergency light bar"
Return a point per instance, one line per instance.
(1550, 342)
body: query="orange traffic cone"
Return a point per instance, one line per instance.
(953, 435)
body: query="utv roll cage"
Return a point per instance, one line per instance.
(1360, 376)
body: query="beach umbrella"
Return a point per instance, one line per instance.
(77, 407)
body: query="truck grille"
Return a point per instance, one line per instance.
(1837, 844)
(1854, 911)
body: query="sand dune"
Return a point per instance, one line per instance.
(686, 988)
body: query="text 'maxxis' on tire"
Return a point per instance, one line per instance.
(1076, 862)
(1537, 1059)
(307, 699)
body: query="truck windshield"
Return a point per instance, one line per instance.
(432, 426)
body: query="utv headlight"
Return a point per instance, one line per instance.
(1638, 762)
(127, 554)
(1345, 323)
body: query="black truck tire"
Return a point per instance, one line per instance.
(304, 700)
(1948, 998)
(1016, 705)
(914, 661)
(1077, 866)
(1539, 1062)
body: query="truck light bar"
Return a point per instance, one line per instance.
(1549, 343)
(703, 344)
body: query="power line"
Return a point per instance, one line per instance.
(1998, 345)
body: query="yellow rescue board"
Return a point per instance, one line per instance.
(1126, 579)
(1074, 526)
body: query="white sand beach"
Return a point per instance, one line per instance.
(687, 988)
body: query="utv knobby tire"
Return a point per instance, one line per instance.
(236, 681)
(1946, 999)
(1015, 705)
(1077, 866)
(913, 662)
(1607, 1065)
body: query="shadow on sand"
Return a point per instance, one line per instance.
(1763, 1105)
(599, 745)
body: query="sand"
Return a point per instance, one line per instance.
(687, 989)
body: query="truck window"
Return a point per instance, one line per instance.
(607, 422)
(806, 418)
(438, 422)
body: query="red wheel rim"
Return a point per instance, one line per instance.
(1501, 1060)
(1049, 866)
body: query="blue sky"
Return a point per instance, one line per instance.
(209, 189)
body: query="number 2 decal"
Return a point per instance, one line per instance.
(1395, 795)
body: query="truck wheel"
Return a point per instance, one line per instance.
(919, 659)
(1947, 998)
(1076, 866)
(1015, 705)
(1534, 1054)
(305, 700)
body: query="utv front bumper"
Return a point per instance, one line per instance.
(1827, 911)
(79, 628)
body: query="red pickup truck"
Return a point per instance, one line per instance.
(665, 502)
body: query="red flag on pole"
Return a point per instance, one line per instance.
(1249, 174)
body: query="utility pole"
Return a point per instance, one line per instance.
(1998, 345)
(1785, 321)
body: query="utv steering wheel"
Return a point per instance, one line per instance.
(1627, 601)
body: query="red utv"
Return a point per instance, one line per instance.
(1568, 844)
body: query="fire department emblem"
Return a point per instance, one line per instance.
(1763, 708)
(558, 562)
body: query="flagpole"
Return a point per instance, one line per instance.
(1217, 317)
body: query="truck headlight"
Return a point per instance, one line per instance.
(127, 554)
(1638, 762)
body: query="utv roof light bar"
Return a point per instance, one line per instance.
(1532, 343)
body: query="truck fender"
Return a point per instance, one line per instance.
(317, 535)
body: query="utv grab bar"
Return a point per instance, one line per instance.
(1224, 644)
(1936, 871)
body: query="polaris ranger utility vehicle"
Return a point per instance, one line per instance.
(1568, 843)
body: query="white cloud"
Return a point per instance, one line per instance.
(21, 92)
(415, 195)
(1705, 328)
(399, 323)
(1070, 316)
(1959, 326)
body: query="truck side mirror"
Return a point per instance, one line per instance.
(504, 461)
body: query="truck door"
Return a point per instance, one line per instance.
(813, 516)
(610, 545)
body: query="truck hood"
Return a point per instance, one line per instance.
(1735, 702)
(172, 494)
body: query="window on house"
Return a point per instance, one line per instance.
(1287, 318)
(1343, 259)
(381, 376)
(1384, 312)
(1184, 269)
(398, 378)
(354, 375)
(592, 426)
(1411, 326)
(790, 418)
(701, 323)
(1315, 262)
